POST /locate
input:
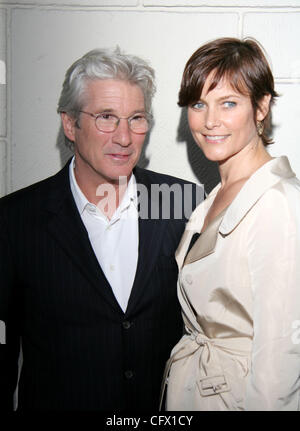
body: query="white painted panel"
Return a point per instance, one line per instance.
(224, 3)
(286, 115)
(279, 33)
(3, 78)
(76, 2)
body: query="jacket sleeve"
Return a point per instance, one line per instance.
(9, 347)
(273, 244)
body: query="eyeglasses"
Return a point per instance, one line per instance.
(106, 122)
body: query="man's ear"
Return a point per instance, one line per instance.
(263, 108)
(68, 124)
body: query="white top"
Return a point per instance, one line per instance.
(115, 242)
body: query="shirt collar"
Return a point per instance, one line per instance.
(130, 195)
(81, 201)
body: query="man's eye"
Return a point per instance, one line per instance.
(138, 117)
(105, 116)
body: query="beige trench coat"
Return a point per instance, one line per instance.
(239, 289)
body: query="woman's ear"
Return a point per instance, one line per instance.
(263, 107)
(68, 124)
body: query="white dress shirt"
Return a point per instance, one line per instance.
(115, 242)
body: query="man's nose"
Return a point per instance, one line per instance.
(122, 134)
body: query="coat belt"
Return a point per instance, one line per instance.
(212, 379)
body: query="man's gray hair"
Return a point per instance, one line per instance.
(104, 64)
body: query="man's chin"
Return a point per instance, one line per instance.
(122, 177)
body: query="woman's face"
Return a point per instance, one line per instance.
(222, 121)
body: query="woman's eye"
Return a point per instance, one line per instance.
(229, 104)
(198, 105)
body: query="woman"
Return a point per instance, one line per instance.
(239, 283)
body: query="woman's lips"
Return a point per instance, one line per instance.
(215, 138)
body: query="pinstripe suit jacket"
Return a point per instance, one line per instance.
(80, 350)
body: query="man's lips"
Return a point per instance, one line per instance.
(118, 156)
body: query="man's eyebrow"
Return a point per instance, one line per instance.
(113, 111)
(105, 110)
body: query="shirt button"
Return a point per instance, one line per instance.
(112, 267)
(128, 374)
(189, 278)
(126, 324)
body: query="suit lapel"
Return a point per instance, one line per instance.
(65, 225)
(150, 237)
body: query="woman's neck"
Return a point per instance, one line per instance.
(242, 165)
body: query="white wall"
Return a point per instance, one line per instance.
(39, 40)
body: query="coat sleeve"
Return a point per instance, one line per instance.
(273, 244)
(9, 347)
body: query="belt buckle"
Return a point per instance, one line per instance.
(212, 385)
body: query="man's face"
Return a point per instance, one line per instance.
(102, 157)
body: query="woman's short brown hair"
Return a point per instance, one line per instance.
(242, 62)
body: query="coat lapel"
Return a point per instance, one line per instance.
(194, 226)
(65, 225)
(263, 179)
(206, 243)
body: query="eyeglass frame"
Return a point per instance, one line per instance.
(148, 117)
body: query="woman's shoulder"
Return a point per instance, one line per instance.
(280, 202)
(286, 189)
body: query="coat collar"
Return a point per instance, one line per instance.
(263, 179)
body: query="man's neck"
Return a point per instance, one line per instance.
(105, 194)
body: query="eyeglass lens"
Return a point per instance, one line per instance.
(109, 123)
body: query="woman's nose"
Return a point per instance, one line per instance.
(212, 118)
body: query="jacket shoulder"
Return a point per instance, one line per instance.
(35, 192)
(170, 194)
(157, 177)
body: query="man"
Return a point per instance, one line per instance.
(87, 269)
